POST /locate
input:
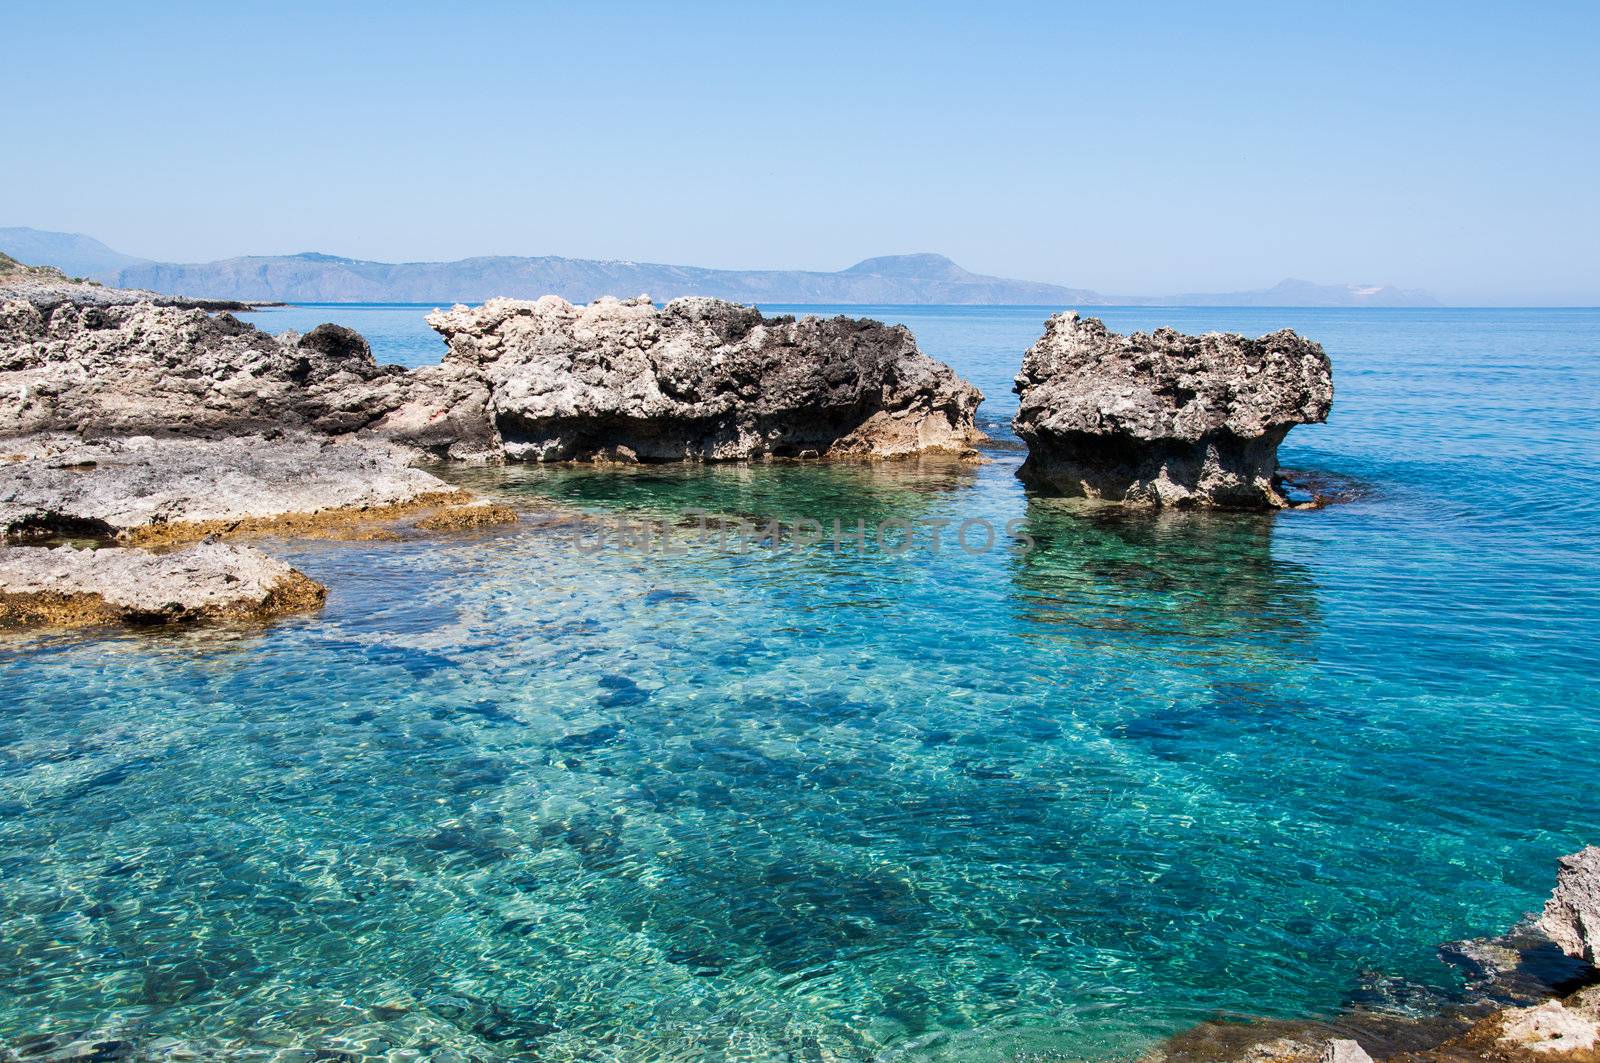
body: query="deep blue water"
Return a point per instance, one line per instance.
(514, 798)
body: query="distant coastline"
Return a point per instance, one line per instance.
(903, 280)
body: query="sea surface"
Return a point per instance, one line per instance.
(527, 793)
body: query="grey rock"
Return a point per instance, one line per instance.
(1552, 1027)
(206, 581)
(131, 487)
(1344, 1050)
(1572, 914)
(142, 369)
(697, 380)
(702, 380)
(1164, 419)
(442, 410)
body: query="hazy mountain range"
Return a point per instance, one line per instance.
(892, 279)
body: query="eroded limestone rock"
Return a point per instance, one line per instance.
(143, 369)
(699, 379)
(1572, 914)
(1552, 1028)
(1165, 419)
(702, 380)
(69, 587)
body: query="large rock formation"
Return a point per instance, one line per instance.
(67, 587)
(1572, 915)
(141, 369)
(1165, 419)
(698, 380)
(147, 423)
(702, 380)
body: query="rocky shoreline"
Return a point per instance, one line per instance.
(143, 424)
(156, 429)
(696, 380)
(138, 497)
(1533, 995)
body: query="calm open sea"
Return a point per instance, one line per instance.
(507, 797)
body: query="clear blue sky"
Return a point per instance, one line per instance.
(1129, 148)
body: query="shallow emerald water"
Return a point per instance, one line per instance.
(508, 796)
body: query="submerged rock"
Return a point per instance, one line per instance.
(1165, 419)
(144, 489)
(702, 380)
(67, 587)
(1572, 915)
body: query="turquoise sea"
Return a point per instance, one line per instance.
(511, 797)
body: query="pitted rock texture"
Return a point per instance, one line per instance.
(1164, 419)
(1555, 1027)
(68, 587)
(702, 380)
(126, 370)
(1572, 914)
(145, 489)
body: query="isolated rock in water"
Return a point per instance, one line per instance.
(144, 488)
(702, 379)
(1302, 1048)
(67, 587)
(143, 369)
(1572, 914)
(1165, 419)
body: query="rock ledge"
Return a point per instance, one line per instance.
(146, 490)
(67, 587)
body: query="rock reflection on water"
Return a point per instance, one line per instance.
(1201, 586)
(1208, 577)
(848, 492)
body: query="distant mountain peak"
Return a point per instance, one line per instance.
(1310, 293)
(73, 253)
(923, 264)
